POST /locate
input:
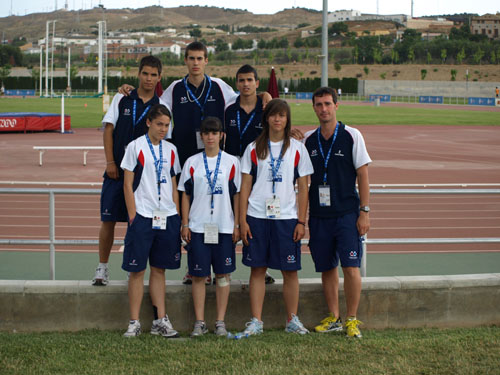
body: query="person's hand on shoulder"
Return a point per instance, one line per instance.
(297, 134)
(125, 89)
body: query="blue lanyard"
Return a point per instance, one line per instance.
(213, 182)
(158, 164)
(195, 98)
(329, 151)
(275, 168)
(134, 113)
(238, 122)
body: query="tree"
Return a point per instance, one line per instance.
(411, 54)
(195, 33)
(493, 57)
(221, 46)
(4, 73)
(429, 58)
(478, 55)
(337, 67)
(377, 55)
(443, 55)
(461, 55)
(298, 42)
(338, 28)
(394, 56)
(262, 44)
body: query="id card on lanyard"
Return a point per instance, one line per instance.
(273, 205)
(324, 190)
(211, 230)
(159, 217)
(199, 143)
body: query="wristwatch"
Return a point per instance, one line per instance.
(365, 208)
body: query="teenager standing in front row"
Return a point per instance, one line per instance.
(153, 234)
(271, 223)
(210, 181)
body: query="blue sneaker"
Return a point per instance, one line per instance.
(254, 327)
(296, 326)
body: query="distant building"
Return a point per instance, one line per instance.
(487, 24)
(425, 23)
(156, 49)
(343, 15)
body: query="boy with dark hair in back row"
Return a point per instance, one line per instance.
(124, 122)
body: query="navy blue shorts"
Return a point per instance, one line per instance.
(113, 207)
(334, 239)
(161, 247)
(272, 245)
(201, 255)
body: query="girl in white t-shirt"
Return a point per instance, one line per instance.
(210, 181)
(272, 215)
(152, 200)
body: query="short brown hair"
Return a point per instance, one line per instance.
(322, 91)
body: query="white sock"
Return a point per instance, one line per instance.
(103, 265)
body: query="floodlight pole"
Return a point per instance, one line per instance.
(41, 70)
(47, 58)
(99, 62)
(324, 46)
(69, 66)
(52, 59)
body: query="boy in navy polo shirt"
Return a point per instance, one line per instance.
(210, 181)
(124, 122)
(150, 188)
(243, 118)
(337, 215)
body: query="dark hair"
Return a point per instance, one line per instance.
(211, 124)
(273, 107)
(158, 110)
(153, 62)
(196, 46)
(247, 69)
(322, 91)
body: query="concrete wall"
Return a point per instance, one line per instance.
(397, 302)
(439, 88)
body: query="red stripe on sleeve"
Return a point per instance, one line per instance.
(172, 156)
(191, 171)
(253, 155)
(140, 158)
(232, 173)
(297, 159)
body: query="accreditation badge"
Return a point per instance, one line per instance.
(199, 143)
(273, 208)
(324, 195)
(159, 220)
(211, 234)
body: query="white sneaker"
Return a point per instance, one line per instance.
(134, 329)
(101, 276)
(296, 326)
(163, 327)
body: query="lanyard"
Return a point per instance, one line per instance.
(238, 122)
(329, 151)
(212, 183)
(275, 168)
(134, 113)
(158, 164)
(188, 89)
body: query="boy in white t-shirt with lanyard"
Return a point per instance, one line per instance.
(272, 223)
(210, 181)
(152, 200)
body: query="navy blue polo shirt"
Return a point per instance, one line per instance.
(125, 131)
(341, 174)
(234, 145)
(187, 114)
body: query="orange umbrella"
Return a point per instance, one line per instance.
(272, 87)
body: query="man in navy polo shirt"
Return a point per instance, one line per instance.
(243, 118)
(338, 216)
(124, 122)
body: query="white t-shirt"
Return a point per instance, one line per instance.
(138, 159)
(195, 183)
(296, 163)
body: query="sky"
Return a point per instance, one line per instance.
(420, 7)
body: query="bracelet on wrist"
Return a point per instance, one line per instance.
(185, 225)
(301, 222)
(237, 226)
(111, 162)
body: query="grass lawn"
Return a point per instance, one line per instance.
(87, 113)
(415, 351)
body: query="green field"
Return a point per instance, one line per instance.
(411, 351)
(302, 114)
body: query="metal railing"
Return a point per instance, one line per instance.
(52, 242)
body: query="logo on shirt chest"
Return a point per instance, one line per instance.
(314, 153)
(211, 99)
(339, 153)
(258, 126)
(184, 99)
(126, 112)
(232, 123)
